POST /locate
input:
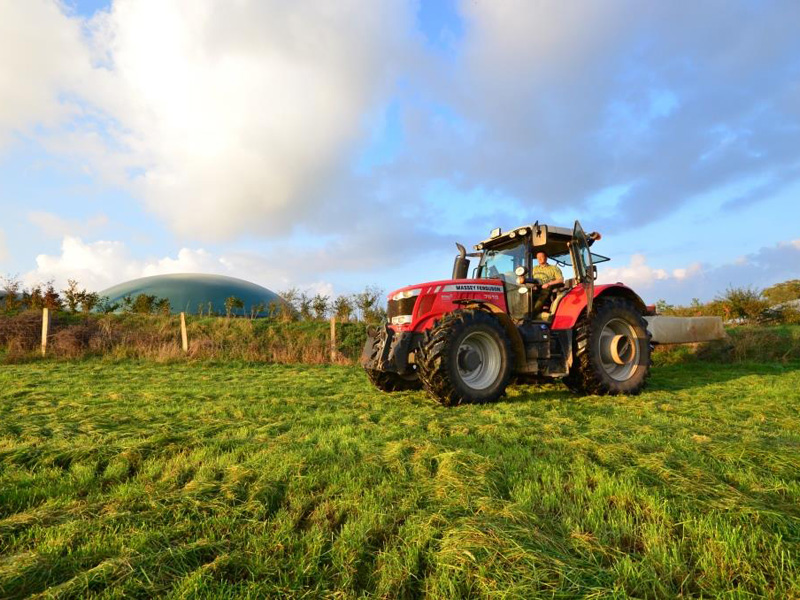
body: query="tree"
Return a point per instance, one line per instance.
(257, 310)
(343, 308)
(51, 299)
(663, 307)
(144, 304)
(88, 301)
(368, 304)
(289, 309)
(73, 295)
(106, 306)
(320, 304)
(11, 289)
(304, 306)
(742, 303)
(275, 309)
(162, 306)
(232, 303)
(33, 299)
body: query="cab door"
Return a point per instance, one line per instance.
(582, 259)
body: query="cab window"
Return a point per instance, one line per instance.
(500, 263)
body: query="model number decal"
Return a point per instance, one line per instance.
(465, 287)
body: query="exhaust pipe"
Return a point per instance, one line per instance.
(461, 264)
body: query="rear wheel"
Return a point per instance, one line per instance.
(465, 358)
(612, 351)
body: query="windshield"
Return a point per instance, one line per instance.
(499, 263)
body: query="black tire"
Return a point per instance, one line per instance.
(465, 358)
(612, 351)
(387, 381)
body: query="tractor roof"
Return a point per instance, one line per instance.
(552, 239)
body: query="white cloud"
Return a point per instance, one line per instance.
(95, 265)
(767, 266)
(55, 226)
(637, 274)
(224, 117)
(42, 56)
(690, 271)
(101, 264)
(187, 261)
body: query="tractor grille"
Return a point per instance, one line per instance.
(404, 306)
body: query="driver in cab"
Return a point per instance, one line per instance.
(548, 275)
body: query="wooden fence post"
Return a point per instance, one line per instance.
(184, 335)
(45, 329)
(334, 353)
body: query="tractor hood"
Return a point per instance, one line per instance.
(449, 285)
(415, 306)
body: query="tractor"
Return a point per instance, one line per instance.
(464, 339)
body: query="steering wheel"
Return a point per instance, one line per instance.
(536, 283)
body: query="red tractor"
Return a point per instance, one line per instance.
(463, 339)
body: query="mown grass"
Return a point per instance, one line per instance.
(135, 479)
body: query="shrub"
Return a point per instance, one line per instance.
(157, 337)
(742, 303)
(783, 292)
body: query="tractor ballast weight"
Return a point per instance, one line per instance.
(463, 339)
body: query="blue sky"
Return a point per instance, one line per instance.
(334, 146)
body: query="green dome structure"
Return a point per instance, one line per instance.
(192, 292)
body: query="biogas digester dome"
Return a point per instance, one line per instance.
(187, 292)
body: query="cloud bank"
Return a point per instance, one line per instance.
(223, 117)
(767, 266)
(234, 120)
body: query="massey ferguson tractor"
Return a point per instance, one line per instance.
(465, 338)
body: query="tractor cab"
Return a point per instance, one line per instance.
(512, 258)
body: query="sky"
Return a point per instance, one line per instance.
(330, 146)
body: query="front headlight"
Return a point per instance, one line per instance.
(406, 294)
(401, 320)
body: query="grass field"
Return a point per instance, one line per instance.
(240, 480)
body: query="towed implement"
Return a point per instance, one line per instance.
(463, 339)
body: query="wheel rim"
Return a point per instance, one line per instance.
(619, 350)
(479, 360)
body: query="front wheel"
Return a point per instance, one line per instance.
(388, 381)
(465, 358)
(392, 382)
(612, 351)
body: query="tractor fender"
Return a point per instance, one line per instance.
(573, 305)
(505, 320)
